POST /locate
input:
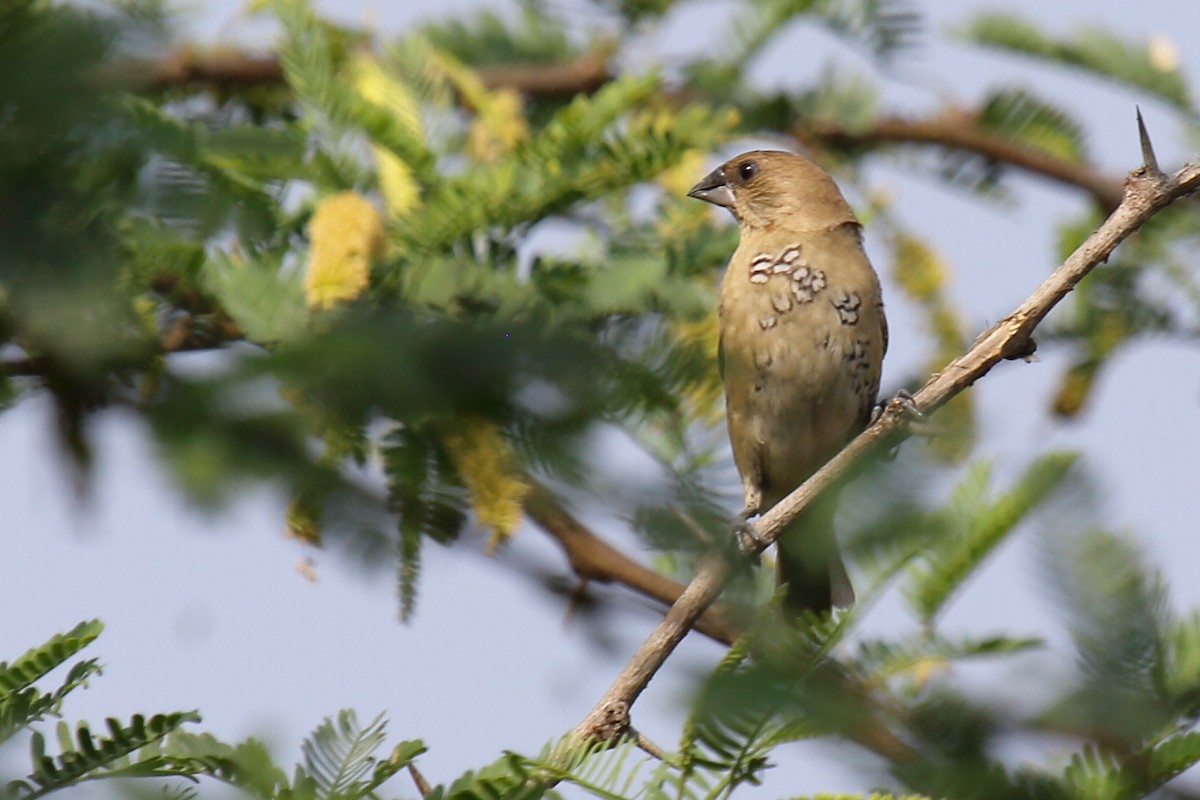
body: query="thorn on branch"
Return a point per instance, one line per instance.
(1149, 166)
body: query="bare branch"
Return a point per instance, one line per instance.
(585, 74)
(959, 129)
(592, 558)
(610, 717)
(218, 68)
(225, 69)
(1145, 194)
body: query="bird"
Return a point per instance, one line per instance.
(802, 336)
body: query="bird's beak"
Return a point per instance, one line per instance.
(714, 189)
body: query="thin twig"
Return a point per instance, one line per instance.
(647, 745)
(423, 787)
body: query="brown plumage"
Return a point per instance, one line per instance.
(802, 342)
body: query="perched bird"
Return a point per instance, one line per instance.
(802, 339)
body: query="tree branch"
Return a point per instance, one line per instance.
(591, 558)
(228, 69)
(953, 128)
(960, 129)
(1146, 191)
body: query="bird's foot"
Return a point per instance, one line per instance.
(906, 407)
(746, 535)
(904, 402)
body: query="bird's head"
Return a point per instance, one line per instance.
(766, 189)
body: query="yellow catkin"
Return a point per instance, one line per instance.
(917, 268)
(499, 124)
(924, 276)
(400, 190)
(345, 234)
(678, 179)
(490, 474)
(703, 399)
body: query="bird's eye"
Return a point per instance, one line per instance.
(747, 170)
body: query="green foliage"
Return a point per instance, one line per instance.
(420, 474)
(600, 769)
(1094, 49)
(725, 744)
(884, 27)
(488, 38)
(1119, 622)
(881, 26)
(1096, 775)
(82, 756)
(211, 179)
(1021, 116)
(1143, 291)
(85, 756)
(871, 796)
(267, 302)
(579, 155)
(341, 758)
(311, 54)
(20, 702)
(981, 527)
(746, 708)
(882, 659)
(139, 226)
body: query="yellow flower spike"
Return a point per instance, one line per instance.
(679, 178)
(400, 190)
(345, 234)
(923, 275)
(918, 269)
(499, 127)
(490, 474)
(704, 398)
(499, 124)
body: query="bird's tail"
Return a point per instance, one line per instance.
(809, 563)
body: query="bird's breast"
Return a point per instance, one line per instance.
(801, 345)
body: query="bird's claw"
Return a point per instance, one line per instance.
(907, 405)
(904, 401)
(749, 542)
